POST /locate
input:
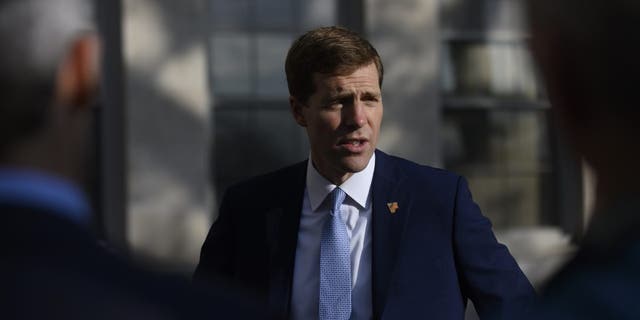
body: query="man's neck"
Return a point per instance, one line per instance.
(337, 178)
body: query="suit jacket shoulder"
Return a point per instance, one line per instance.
(397, 167)
(252, 242)
(457, 252)
(418, 181)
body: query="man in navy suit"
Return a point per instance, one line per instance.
(590, 62)
(354, 233)
(51, 266)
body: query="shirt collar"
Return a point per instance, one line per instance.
(357, 187)
(40, 190)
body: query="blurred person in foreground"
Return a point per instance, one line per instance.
(351, 232)
(590, 60)
(50, 265)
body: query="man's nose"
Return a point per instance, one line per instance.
(355, 115)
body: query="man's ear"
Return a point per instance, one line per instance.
(296, 110)
(77, 77)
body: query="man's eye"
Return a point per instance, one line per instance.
(334, 105)
(371, 98)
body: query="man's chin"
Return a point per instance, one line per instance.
(355, 164)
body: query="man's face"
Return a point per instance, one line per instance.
(342, 118)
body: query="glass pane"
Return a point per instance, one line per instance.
(275, 14)
(505, 156)
(279, 147)
(505, 15)
(231, 64)
(525, 200)
(471, 68)
(526, 144)
(466, 139)
(230, 15)
(496, 69)
(488, 193)
(272, 52)
(318, 13)
(511, 73)
(509, 202)
(486, 141)
(252, 141)
(479, 16)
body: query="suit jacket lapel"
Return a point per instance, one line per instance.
(282, 222)
(387, 227)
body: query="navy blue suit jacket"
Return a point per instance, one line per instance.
(429, 256)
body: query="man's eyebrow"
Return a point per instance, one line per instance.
(339, 96)
(372, 94)
(348, 94)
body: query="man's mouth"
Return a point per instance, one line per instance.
(353, 145)
(354, 142)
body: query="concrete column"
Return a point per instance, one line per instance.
(168, 129)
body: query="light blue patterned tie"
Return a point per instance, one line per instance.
(335, 264)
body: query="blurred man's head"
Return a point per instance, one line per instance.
(48, 79)
(334, 79)
(589, 56)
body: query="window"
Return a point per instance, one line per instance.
(496, 120)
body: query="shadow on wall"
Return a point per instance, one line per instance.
(252, 142)
(179, 149)
(167, 129)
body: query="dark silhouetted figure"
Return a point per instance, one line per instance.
(589, 55)
(50, 265)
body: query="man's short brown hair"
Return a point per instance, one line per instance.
(327, 50)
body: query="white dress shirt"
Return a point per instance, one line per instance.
(356, 213)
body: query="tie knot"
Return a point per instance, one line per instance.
(337, 197)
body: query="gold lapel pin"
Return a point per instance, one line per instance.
(393, 207)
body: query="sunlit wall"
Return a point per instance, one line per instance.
(168, 128)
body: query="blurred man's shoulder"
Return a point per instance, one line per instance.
(590, 287)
